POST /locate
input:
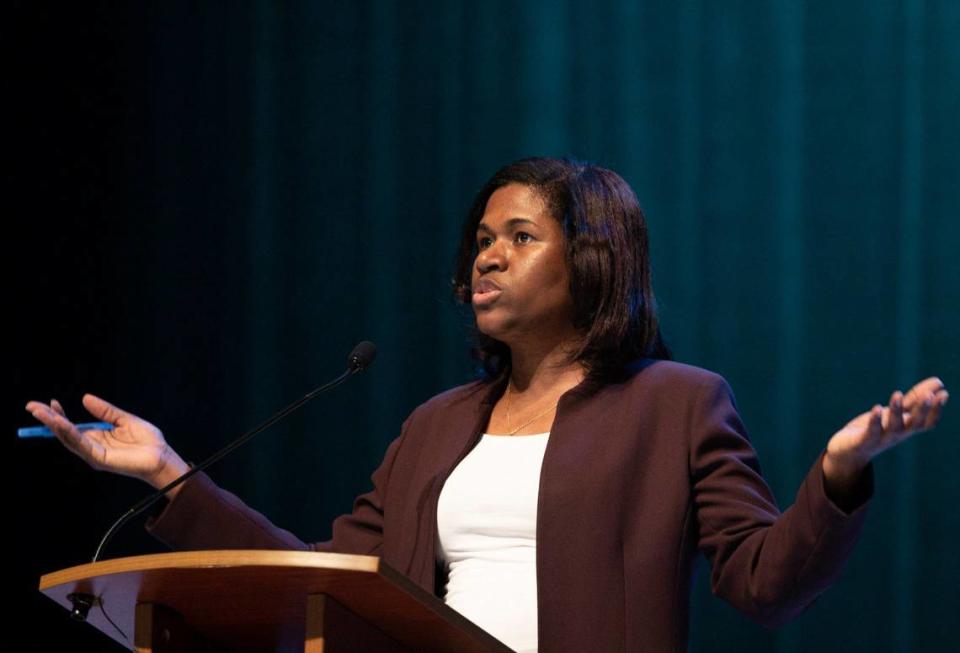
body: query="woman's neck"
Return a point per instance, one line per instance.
(537, 372)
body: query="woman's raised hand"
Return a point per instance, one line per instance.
(134, 447)
(881, 428)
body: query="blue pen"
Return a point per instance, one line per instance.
(44, 432)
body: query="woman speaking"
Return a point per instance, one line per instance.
(560, 500)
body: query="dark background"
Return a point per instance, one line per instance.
(211, 203)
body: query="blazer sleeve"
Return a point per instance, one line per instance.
(770, 566)
(205, 516)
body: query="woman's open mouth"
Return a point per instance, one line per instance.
(485, 296)
(485, 292)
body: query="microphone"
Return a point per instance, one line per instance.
(359, 359)
(361, 356)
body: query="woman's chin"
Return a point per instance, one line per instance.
(493, 327)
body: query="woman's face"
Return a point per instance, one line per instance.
(520, 284)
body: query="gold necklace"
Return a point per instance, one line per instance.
(529, 421)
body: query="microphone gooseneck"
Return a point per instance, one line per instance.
(358, 360)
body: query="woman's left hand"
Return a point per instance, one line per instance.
(852, 448)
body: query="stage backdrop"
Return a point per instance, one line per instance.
(216, 201)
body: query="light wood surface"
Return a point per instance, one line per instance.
(254, 600)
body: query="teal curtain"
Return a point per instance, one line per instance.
(294, 176)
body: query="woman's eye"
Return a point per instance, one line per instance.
(483, 243)
(524, 237)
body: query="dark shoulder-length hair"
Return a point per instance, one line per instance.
(607, 255)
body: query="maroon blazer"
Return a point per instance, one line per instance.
(637, 477)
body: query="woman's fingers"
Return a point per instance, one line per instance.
(70, 435)
(55, 405)
(45, 414)
(62, 428)
(939, 400)
(103, 409)
(911, 410)
(895, 413)
(54, 418)
(929, 413)
(875, 423)
(877, 433)
(919, 409)
(921, 390)
(918, 416)
(923, 410)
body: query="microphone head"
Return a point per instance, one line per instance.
(361, 356)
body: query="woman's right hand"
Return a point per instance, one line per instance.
(134, 447)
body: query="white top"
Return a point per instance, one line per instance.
(487, 526)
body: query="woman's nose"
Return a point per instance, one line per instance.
(491, 258)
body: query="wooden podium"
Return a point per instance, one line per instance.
(259, 601)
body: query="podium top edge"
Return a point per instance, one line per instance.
(214, 559)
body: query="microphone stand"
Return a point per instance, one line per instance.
(361, 356)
